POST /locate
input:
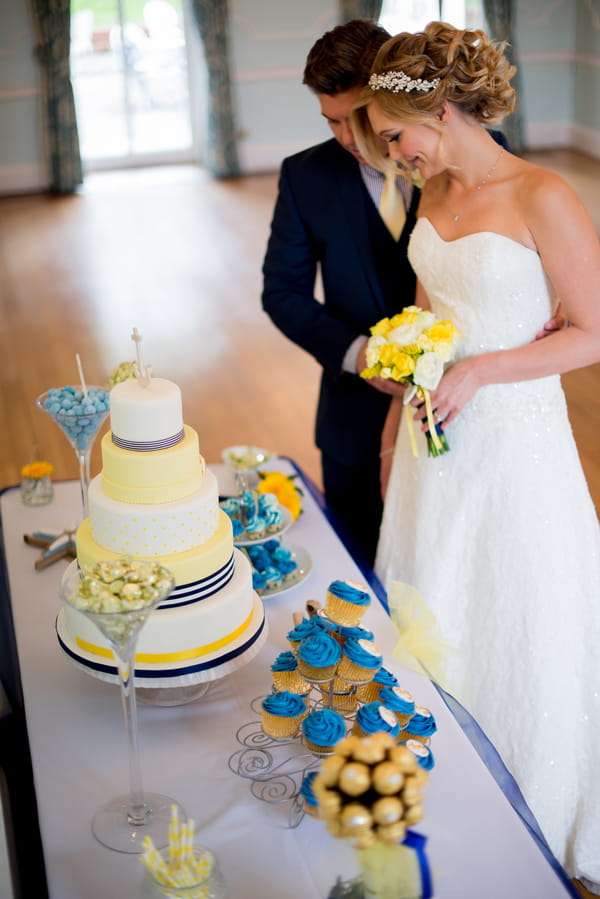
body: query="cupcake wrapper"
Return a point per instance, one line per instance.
(406, 735)
(279, 727)
(318, 750)
(291, 681)
(368, 692)
(343, 612)
(353, 673)
(402, 718)
(318, 674)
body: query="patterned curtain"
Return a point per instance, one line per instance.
(500, 17)
(220, 156)
(360, 9)
(52, 19)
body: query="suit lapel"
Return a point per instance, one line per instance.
(353, 197)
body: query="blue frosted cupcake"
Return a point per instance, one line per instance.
(352, 633)
(400, 702)
(303, 629)
(281, 714)
(309, 800)
(346, 602)
(360, 661)
(370, 692)
(322, 730)
(422, 753)
(284, 672)
(318, 656)
(373, 718)
(421, 726)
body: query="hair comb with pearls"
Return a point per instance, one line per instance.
(400, 81)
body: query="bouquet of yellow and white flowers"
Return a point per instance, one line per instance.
(412, 348)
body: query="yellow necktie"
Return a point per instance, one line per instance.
(391, 206)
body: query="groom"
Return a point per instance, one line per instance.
(327, 215)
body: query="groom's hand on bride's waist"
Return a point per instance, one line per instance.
(556, 323)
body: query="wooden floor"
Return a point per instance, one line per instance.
(178, 256)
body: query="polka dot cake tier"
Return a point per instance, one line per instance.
(155, 500)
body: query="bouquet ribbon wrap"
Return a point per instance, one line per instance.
(421, 645)
(396, 872)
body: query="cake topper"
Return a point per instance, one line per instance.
(142, 372)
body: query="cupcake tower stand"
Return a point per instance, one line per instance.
(277, 767)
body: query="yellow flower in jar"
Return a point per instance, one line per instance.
(37, 470)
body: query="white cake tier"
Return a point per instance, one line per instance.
(146, 414)
(158, 476)
(207, 628)
(197, 571)
(155, 529)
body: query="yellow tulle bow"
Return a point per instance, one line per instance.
(421, 646)
(390, 872)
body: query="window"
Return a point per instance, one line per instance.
(413, 15)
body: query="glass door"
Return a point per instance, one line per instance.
(129, 70)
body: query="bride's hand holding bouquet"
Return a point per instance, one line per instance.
(412, 348)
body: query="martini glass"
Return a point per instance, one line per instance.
(80, 428)
(123, 822)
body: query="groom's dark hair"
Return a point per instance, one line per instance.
(343, 57)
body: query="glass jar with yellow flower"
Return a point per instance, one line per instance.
(36, 485)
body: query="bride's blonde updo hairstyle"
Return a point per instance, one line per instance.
(461, 66)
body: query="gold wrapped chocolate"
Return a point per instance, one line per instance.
(387, 778)
(354, 778)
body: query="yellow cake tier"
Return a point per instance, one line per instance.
(158, 529)
(188, 567)
(158, 476)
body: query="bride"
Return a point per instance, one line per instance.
(499, 535)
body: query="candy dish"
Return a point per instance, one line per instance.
(303, 560)
(245, 458)
(80, 413)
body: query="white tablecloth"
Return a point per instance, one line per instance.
(477, 845)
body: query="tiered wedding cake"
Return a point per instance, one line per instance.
(155, 500)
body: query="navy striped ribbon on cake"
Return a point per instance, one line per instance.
(198, 590)
(147, 445)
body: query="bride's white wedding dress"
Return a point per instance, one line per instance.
(501, 539)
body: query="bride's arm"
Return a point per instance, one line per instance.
(566, 241)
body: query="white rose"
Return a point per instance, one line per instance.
(444, 350)
(428, 371)
(405, 335)
(373, 346)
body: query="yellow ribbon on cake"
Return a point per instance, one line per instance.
(151, 658)
(421, 646)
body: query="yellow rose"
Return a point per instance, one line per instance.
(404, 365)
(444, 331)
(381, 328)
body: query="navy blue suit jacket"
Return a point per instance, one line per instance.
(322, 217)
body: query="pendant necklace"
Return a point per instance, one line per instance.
(458, 215)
